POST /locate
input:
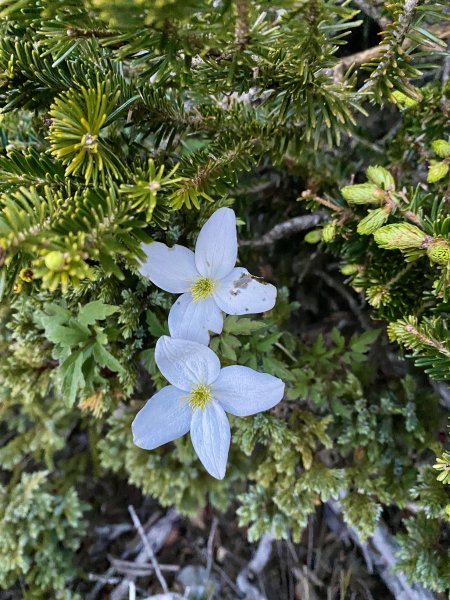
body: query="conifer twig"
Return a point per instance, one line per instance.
(364, 56)
(242, 25)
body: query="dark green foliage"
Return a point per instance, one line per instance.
(411, 292)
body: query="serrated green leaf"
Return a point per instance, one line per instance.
(66, 336)
(95, 311)
(156, 328)
(106, 359)
(73, 378)
(242, 325)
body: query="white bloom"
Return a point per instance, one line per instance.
(208, 280)
(196, 401)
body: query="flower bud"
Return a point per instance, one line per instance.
(439, 251)
(363, 193)
(349, 269)
(374, 220)
(437, 171)
(441, 147)
(381, 177)
(378, 295)
(329, 231)
(313, 237)
(399, 236)
(54, 261)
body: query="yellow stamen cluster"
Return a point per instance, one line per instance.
(200, 396)
(202, 288)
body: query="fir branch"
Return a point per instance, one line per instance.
(441, 31)
(396, 39)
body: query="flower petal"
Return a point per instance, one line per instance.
(216, 247)
(193, 321)
(165, 417)
(184, 363)
(240, 294)
(171, 269)
(242, 391)
(210, 435)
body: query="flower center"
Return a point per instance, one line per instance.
(200, 396)
(202, 288)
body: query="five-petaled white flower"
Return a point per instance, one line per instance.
(208, 280)
(199, 394)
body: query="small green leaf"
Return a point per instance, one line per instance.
(227, 349)
(156, 328)
(66, 336)
(361, 343)
(95, 311)
(242, 326)
(106, 359)
(73, 378)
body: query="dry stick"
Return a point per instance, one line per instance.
(137, 523)
(254, 567)
(372, 12)
(380, 551)
(210, 547)
(158, 534)
(343, 291)
(286, 228)
(131, 569)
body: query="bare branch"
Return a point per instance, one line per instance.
(137, 523)
(373, 12)
(210, 547)
(287, 228)
(254, 567)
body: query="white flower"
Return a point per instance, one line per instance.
(208, 280)
(196, 401)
